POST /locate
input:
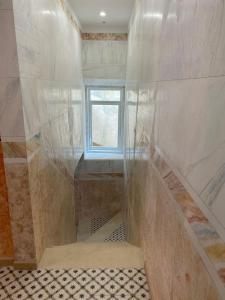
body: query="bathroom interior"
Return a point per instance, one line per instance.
(112, 149)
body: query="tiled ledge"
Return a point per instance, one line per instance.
(211, 246)
(21, 150)
(17, 151)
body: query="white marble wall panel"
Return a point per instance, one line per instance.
(47, 25)
(104, 59)
(137, 86)
(190, 131)
(49, 53)
(176, 63)
(77, 96)
(195, 47)
(176, 100)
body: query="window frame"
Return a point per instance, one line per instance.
(88, 117)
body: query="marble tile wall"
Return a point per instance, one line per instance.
(10, 94)
(104, 56)
(175, 100)
(174, 268)
(6, 245)
(199, 158)
(11, 114)
(41, 95)
(50, 76)
(53, 204)
(21, 212)
(99, 188)
(100, 197)
(52, 92)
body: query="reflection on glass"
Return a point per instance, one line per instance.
(105, 95)
(105, 126)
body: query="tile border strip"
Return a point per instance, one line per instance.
(104, 36)
(6, 261)
(70, 15)
(205, 233)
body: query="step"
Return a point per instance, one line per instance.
(106, 230)
(93, 255)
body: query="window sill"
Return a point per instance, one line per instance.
(98, 155)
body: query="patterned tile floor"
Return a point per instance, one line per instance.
(92, 284)
(97, 222)
(118, 235)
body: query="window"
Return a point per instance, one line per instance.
(104, 119)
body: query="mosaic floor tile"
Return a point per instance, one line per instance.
(97, 223)
(118, 235)
(83, 284)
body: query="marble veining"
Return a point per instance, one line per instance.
(213, 188)
(206, 233)
(20, 211)
(104, 59)
(203, 168)
(41, 111)
(175, 88)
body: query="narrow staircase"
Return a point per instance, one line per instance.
(104, 247)
(101, 265)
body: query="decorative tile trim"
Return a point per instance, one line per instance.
(15, 161)
(13, 139)
(99, 176)
(207, 235)
(69, 14)
(24, 265)
(6, 261)
(14, 149)
(6, 243)
(105, 36)
(20, 151)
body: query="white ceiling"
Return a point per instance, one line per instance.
(117, 19)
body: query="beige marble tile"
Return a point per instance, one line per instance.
(14, 149)
(99, 197)
(20, 211)
(6, 245)
(179, 272)
(53, 205)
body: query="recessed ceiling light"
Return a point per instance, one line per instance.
(102, 14)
